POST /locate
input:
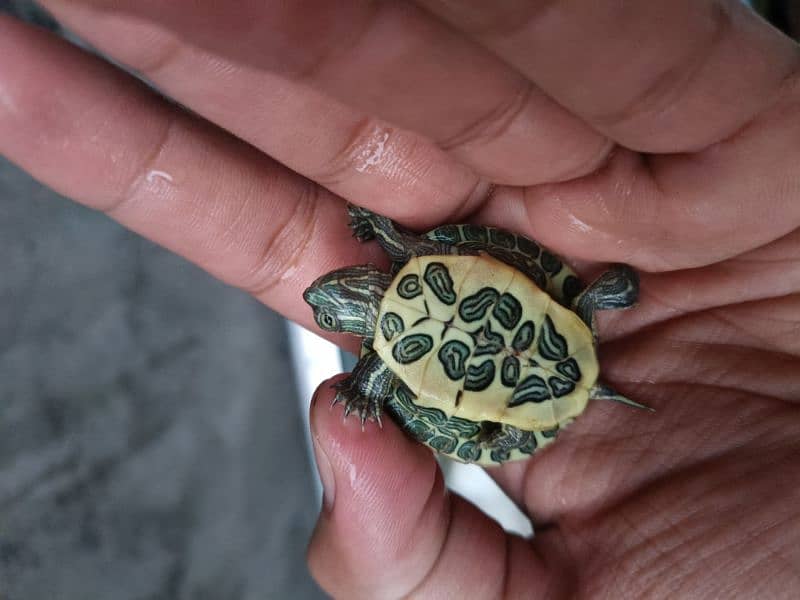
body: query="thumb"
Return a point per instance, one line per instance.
(389, 528)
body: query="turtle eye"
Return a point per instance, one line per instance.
(327, 321)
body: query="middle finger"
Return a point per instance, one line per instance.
(399, 64)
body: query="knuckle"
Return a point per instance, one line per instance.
(667, 87)
(492, 125)
(282, 252)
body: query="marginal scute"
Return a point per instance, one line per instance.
(550, 263)
(501, 238)
(474, 233)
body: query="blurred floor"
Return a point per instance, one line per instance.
(150, 444)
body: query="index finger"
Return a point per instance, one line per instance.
(388, 59)
(112, 145)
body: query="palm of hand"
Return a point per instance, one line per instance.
(664, 504)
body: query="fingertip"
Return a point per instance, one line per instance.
(385, 508)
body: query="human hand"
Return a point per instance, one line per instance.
(672, 147)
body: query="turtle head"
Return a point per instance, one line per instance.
(348, 300)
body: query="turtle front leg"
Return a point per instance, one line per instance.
(366, 389)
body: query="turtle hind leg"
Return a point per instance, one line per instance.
(366, 389)
(602, 391)
(616, 288)
(502, 440)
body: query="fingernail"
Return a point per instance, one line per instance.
(325, 475)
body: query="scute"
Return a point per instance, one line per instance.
(482, 342)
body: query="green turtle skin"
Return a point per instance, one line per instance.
(350, 299)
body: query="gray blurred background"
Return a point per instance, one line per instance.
(150, 442)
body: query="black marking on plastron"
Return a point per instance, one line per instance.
(474, 307)
(392, 325)
(479, 378)
(500, 455)
(524, 337)
(474, 233)
(533, 363)
(528, 247)
(419, 430)
(569, 368)
(488, 341)
(529, 444)
(509, 372)
(531, 389)
(508, 311)
(571, 287)
(469, 451)
(443, 444)
(560, 387)
(412, 347)
(437, 276)
(501, 238)
(420, 320)
(550, 433)
(552, 344)
(453, 355)
(459, 393)
(409, 287)
(462, 428)
(550, 263)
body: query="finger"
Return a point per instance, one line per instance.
(389, 528)
(366, 160)
(394, 61)
(669, 213)
(770, 274)
(686, 74)
(98, 136)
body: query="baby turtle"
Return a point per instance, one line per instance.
(480, 344)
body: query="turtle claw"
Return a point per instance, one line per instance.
(356, 403)
(360, 223)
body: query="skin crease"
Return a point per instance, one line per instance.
(413, 116)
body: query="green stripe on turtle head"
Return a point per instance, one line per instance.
(348, 300)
